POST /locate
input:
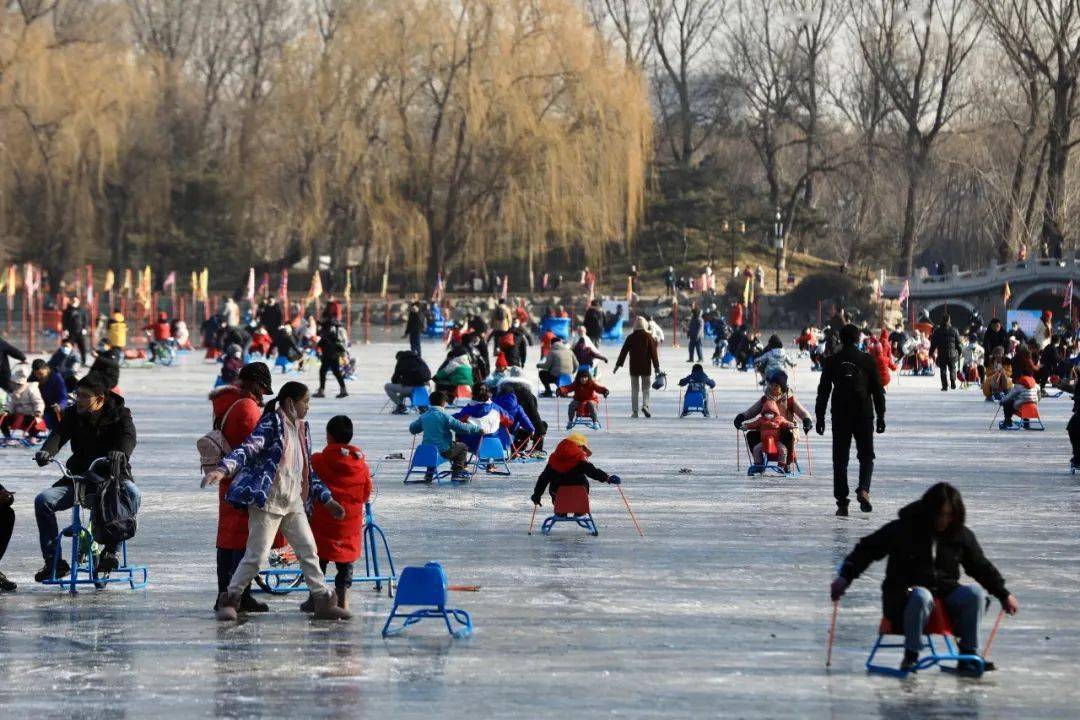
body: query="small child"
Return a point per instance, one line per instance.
(1025, 391)
(769, 424)
(584, 389)
(569, 465)
(344, 470)
(261, 342)
(24, 407)
(483, 412)
(438, 429)
(972, 361)
(698, 381)
(231, 366)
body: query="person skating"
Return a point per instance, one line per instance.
(236, 410)
(851, 378)
(273, 478)
(523, 430)
(438, 429)
(559, 361)
(697, 381)
(945, 341)
(640, 346)
(1025, 391)
(778, 392)
(76, 326)
(773, 360)
(1073, 429)
(63, 363)
(7, 524)
(410, 372)
(594, 322)
(569, 465)
(769, 425)
(414, 328)
(344, 469)
(584, 389)
(926, 546)
(526, 399)
(97, 425)
(995, 337)
(333, 346)
(695, 335)
(269, 315)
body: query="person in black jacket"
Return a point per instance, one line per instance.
(945, 340)
(995, 337)
(97, 425)
(332, 350)
(63, 362)
(75, 323)
(106, 366)
(852, 379)
(410, 372)
(569, 465)
(926, 547)
(269, 314)
(414, 326)
(594, 322)
(7, 350)
(7, 524)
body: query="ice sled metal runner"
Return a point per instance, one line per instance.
(571, 505)
(425, 588)
(83, 559)
(771, 465)
(938, 624)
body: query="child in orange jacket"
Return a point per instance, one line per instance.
(584, 389)
(769, 424)
(344, 470)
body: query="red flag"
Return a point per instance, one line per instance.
(905, 292)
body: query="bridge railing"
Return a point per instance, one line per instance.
(966, 281)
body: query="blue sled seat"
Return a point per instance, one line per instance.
(425, 587)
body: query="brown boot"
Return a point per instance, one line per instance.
(343, 598)
(227, 606)
(326, 608)
(308, 605)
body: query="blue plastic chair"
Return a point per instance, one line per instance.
(420, 399)
(427, 459)
(694, 402)
(286, 365)
(438, 323)
(560, 327)
(490, 454)
(566, 379)
(425, 587)
(615, 334)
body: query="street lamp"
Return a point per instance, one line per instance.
(778, 232)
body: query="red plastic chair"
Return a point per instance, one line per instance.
(937, 624)
(571, 505)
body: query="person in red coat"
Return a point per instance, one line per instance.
(585, 391)
(237, 409)
(883, 359)
(345, 471)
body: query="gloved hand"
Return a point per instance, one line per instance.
(836, 590)
(739, 419)
(880, 425)
(42, 458)
(614, 479)
(806, 425)
(536, 500)
(820, 426)
(117, 464)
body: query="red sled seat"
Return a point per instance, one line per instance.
(937, 624)
(571, 505)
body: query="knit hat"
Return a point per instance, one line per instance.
(578, 439)
(258, 374)
(20, 374)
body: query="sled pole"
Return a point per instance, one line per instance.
(412, 447)
(715, 413)
(678, 408)
(607, 418)
(383, 408)
(990, 640)
(627, 503)
(809, 456)
(533, 519)
(832, 632)
(995, 418)
(463, 588)
(738, 458)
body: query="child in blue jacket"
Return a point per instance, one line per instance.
(698, 381)
(439, 428)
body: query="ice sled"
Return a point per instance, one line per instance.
(1027, 419)
(490, 455)
(427, 460)
(938, 624)
(425, 588)
(771, 456)
(571, 505)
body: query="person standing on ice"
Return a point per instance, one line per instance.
(275, 481)
(850, 376)
(926, 546)
(414, 327)
(640, 346)
(76, 326)
(945, 341)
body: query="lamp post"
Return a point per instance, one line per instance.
(778, 232)
(725, 229)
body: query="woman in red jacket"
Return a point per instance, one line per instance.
(237, 409)
(345, 472)
(883, 360)
(585, 391)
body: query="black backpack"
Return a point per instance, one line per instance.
(112, 517)
(849, 385)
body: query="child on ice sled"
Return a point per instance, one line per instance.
(569, 465)
(769, 424)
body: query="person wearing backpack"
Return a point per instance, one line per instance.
(97, 425)
(945, 342)
(333, 345)
(850, 376)
(236, 411)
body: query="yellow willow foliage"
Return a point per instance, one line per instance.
(454, 131)
(67, 103)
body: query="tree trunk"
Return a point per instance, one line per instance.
(1057, 135)
(907, 236)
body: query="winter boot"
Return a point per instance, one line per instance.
(342, 394)
(911, 659)
(320, 393)
(248, 603)
(227, 606)
(6, 585)
(46, 572)
(308, 605)
(343, 598)
(645, 412)
(864, 501)
(841, 510)
(326, 608)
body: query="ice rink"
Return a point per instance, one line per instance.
(721, 610)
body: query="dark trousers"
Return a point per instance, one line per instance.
(694, 346)
(862, 430)
(548, 380)
(457, 454)
(1074, 439)
(414, 343)
(524, 439)
(331, 364)
(79, 339)
(343, 578)
(7, 524)
(227, 562)
(948, 374)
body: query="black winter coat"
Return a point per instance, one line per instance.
(410, 370)
(919, 557)
(270, 317)
(594, 322)
(994, 339)
(577, 475)
(91, 436)
(413, 324)
(871, 402)
(74, 321)
(946, 341)
(8, 350)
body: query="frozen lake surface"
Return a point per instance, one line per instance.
(721, 610)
